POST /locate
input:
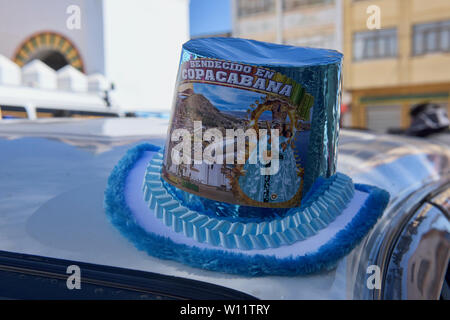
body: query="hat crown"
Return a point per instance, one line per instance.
(248, 132)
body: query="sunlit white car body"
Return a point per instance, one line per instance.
(53, 175)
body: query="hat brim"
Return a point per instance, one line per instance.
(128, 211)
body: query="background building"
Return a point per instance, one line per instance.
(134, 44)
(314, 23)
(406, 62)
(310, 23)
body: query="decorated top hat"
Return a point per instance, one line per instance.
(246, 182)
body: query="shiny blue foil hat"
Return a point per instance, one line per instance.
(225, 84)
(275, 206)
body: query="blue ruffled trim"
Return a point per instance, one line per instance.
(241, 213)
(325, 258)
(328, 202)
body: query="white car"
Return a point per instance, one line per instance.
(53, 175)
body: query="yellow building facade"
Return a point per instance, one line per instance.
(405, 62)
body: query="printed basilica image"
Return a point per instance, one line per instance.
(250, 122)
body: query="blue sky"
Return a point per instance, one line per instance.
(209, 17)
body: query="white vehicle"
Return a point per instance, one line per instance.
(53, 177)
(32, 103)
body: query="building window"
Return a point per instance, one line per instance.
(13, 112)
(323, 41)
(293, 4)
(65, 113)
(431, 37)
(251, 7)
(375, 44)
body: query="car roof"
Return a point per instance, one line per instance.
(54, 175)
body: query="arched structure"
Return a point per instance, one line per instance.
(280, 110)
(52, 48)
